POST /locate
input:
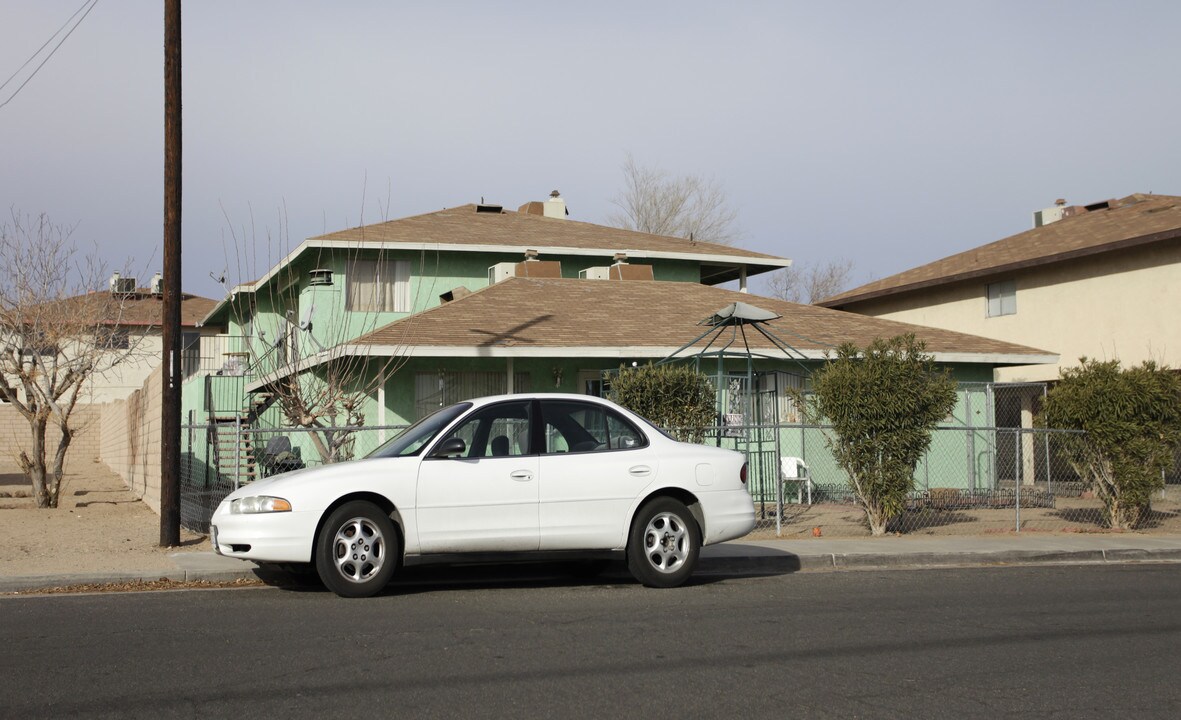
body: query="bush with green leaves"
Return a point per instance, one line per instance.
(884, 403)
(1132, 420)
(676, 397)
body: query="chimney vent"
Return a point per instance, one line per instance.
(555, 207)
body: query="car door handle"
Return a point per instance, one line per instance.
(640, 470)
(521, 476)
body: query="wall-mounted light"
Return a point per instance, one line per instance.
(557, 375)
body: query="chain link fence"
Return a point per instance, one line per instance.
(218, 458)
(971, 481)
(979, 478)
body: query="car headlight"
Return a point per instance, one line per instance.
(259, 504)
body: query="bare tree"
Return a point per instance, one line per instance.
(811, 283)
(56, 335)
(688, 206)
(316, 380)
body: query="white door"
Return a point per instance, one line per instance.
(484, 500)
(593, 466)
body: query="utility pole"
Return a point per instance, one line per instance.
(170, 404)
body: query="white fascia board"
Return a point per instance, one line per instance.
(306, 363)
(238, 289)
(648, 351)
(549, 250)
(501, 351)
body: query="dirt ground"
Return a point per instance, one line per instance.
(100, 527)
(1069, 515)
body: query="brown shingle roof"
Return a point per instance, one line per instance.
(655, 317)
(464, 226)
(1135, 220)
(140, 308)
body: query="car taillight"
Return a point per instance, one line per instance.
(742, 474)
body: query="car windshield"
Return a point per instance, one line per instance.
(412, 440)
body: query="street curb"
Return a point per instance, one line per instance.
(786, 562)
(47, 582)
(761, 562)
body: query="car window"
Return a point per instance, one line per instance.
(500, 430)
(572, 426)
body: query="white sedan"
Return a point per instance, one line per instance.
(513, 476)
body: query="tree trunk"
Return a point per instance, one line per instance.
(33, 465)
(1123, 516)
(876, 518)
(59, 464)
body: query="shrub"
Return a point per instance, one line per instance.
(884, 403)
(676, 397)
(1132, 420)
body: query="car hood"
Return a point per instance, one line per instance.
(339, 474)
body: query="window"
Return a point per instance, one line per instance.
(433, 390)
(113, 338)
(500, 430)
(190, 354)
(1002, 298)
(378, 286)
(583, 427)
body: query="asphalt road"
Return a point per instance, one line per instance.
(1065, 641)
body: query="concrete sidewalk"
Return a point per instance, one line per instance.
(758, 557)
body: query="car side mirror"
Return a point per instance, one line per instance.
(450, 447)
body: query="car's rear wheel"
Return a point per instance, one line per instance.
(663, 545)
(357, 550)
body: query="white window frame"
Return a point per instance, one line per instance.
(378, 286)
(1002, 298)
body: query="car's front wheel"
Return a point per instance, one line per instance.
(357, 550)
(663, 544)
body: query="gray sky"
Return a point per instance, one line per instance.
(890, 133)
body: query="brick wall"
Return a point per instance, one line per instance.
(130, 439)
(122, 434)
(15, 436)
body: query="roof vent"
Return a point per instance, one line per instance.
(455, 294)
(494, 209)
(319, 277)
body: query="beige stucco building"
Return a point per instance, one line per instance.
(1101, 281)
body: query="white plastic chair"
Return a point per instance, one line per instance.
(795, 470)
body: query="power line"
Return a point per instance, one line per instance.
(92, 3)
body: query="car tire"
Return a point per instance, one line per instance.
(357, 550)
(663, 545)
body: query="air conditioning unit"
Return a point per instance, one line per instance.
(595, 273)
(121, 285)
(157, 284)
(501, 271)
